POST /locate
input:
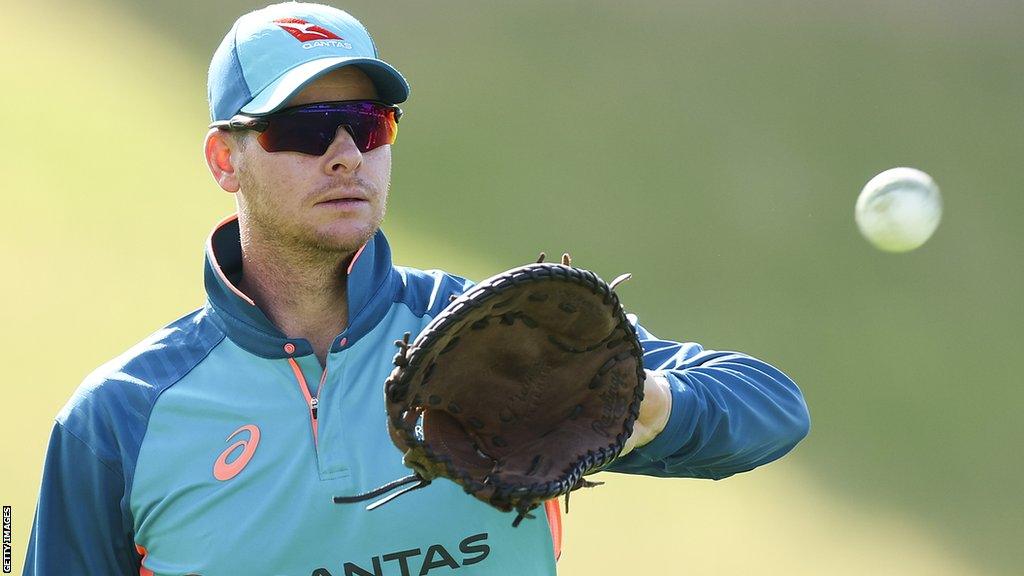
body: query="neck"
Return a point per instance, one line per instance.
(302, 290)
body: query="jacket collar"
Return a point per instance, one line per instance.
(372, 284)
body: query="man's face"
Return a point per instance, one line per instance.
(333, 202)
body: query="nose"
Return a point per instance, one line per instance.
(342, 155)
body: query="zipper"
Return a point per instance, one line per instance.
(312, 401)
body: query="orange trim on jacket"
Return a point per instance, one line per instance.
(555, 524)
(143, 571)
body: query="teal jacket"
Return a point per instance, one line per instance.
(215, 446)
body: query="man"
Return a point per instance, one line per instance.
(215, 446)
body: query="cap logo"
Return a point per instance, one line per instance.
(304, 31)
(311, 35)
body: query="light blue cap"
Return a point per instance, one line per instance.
(272, 53)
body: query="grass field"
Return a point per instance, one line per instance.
(713, 149)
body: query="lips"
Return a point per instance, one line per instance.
(344, 199)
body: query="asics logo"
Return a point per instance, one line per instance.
(304, 31)
(224, 470)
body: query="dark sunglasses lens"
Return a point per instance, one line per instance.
(372, 126)
(297, 133)
(311, 130)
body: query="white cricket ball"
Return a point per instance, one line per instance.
(899, 209)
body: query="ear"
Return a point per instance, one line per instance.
(221, 157)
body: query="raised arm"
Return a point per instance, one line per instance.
(728, 412)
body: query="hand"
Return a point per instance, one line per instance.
(654, 411)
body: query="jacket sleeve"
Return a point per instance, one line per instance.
(79, 526)
(730, 413)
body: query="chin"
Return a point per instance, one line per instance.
(344, 236)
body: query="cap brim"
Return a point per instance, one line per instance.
(391, 86)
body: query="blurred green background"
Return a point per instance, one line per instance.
(712, 148)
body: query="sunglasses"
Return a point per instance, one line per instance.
(311, 128)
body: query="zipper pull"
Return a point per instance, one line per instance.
(313, 403)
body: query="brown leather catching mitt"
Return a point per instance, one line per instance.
(520, 387)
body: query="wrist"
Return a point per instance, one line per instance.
(654, 411)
